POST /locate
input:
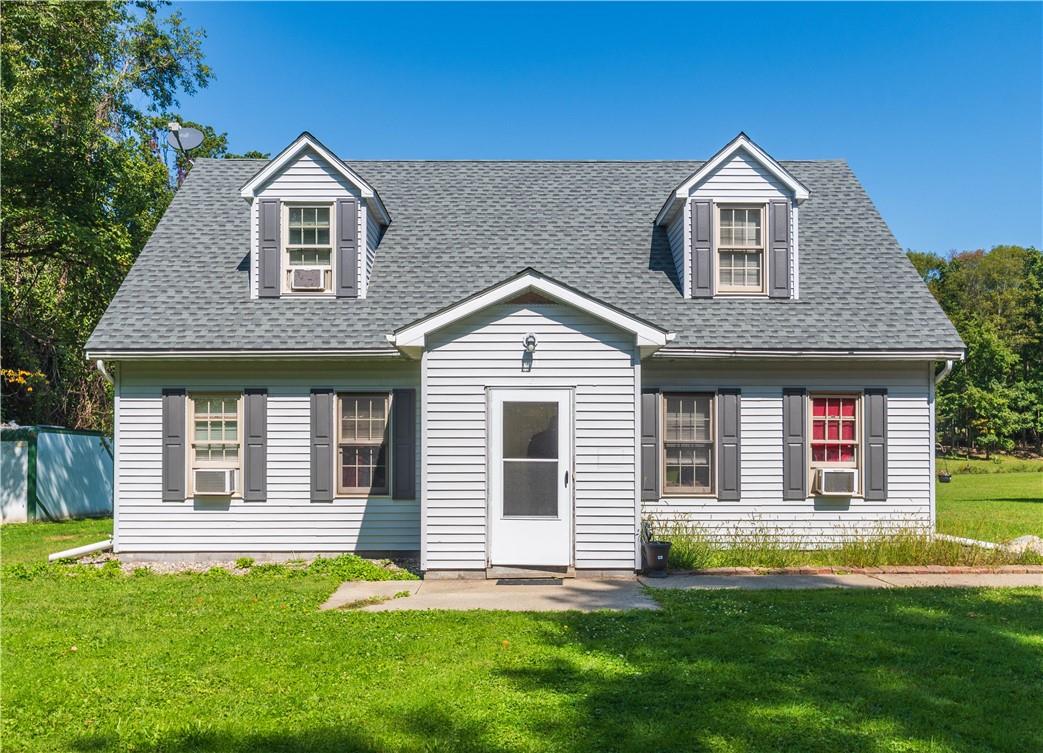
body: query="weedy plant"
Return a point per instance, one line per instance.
(696, 547)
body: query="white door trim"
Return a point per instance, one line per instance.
(495, 397)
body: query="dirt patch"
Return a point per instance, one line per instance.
(163, 567)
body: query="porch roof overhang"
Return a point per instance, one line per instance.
(411, 339)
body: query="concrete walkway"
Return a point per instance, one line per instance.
(513, 596)
(876, 580)
(592, 595)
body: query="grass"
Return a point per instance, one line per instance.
(964, 464)
(96, 661)
(32, 542)
(995, 507)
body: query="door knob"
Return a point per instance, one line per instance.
(566, 477)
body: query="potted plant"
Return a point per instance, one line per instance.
(943, 475)
(656, 552)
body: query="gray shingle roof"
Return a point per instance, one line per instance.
(459, 227)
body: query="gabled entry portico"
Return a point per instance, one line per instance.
(530, 455)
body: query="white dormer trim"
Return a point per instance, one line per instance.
(303, 143)
(411, 339)
(742, 142)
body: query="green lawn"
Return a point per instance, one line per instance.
(95, 661)
(962, 464)
(32, 542)
(993, 507)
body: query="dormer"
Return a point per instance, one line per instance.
(315, 225)
(732, 226)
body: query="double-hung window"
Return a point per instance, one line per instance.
(308, 250)
(688, 451)
(215, 444)
(834, 431)
(363, 439)
(740, 249)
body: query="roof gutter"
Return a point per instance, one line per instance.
(181, 355)
(875, 355)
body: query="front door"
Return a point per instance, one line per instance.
(530, 477)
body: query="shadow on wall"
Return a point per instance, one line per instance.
(808, 671)
(660, 259)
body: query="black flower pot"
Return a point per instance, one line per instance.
(657, 554)
(945, 478)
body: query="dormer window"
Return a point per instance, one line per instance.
(740, 249)
(308, 252)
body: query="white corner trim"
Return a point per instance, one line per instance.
(302, 143)
(740, 142)
(411, 339)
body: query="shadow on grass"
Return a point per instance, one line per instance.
(803, 671)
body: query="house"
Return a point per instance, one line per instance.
(509, 364)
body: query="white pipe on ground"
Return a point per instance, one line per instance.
(79, 551)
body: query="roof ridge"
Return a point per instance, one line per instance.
(458, 161)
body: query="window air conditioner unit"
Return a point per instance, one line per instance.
(836, 482)
(308, 278)
(216, 482)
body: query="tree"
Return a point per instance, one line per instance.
(83, 182)
(994, 399)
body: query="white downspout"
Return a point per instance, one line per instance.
(100, 364)
(946, 370)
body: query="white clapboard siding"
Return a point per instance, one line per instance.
(373, 231)
(740, 178)
(762, 511)
(676, 233)
(307, 178)
(288, 521)
(574, 350)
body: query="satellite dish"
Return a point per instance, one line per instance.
(184, 139)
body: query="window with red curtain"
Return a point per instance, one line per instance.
(834, 430)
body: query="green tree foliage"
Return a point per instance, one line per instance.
(993, 400)
(84, 182)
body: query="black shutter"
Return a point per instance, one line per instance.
(255, 435)
(403, 437)
(268, 249)
(347, 248)
(175, 469)
(702, 248)
(778, 249)
(650, 444)
(875, 417)
(728, 447)
(794, 444)
(322, 445)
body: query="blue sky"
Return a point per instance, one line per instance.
(937, 107)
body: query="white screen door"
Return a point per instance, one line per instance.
(530, 477)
